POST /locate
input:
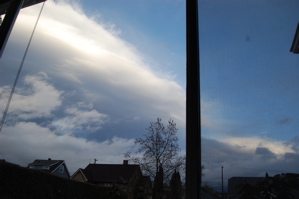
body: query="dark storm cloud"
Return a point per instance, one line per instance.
(264, 153)
(246, 157)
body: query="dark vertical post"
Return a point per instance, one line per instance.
(193, 131)
(222, 181)
(8, 22)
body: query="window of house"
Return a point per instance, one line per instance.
(61, 169)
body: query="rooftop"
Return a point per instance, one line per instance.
(119, 173)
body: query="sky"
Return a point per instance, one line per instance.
(98, 72)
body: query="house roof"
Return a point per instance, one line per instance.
(52, 164)
(110, 173)
(81, 172)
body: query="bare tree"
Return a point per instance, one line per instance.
(160, 148)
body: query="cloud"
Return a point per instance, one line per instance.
(265, 153)
(83, 55)
(27, 141)
(23, 141)
(294, 143)
(36, 99)
(252, 143)
(247, 157)
(77, 119)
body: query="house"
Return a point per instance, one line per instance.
(124, 176)
(235, 182)
(278, 186)
(55, 167)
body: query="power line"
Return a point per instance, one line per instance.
(19, 71)
(80, 161)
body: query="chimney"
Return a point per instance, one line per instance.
(126, 162)
(49, 158)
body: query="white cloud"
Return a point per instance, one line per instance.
(27, 141)
(64, 23)
(36, 100)
(250, 144)
(87, 57)
(77, 119)
(250, 156)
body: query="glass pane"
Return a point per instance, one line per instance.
(95, 76)
(249, 83)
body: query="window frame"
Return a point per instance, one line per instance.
(193, 122)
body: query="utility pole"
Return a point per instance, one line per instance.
(222, 180)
